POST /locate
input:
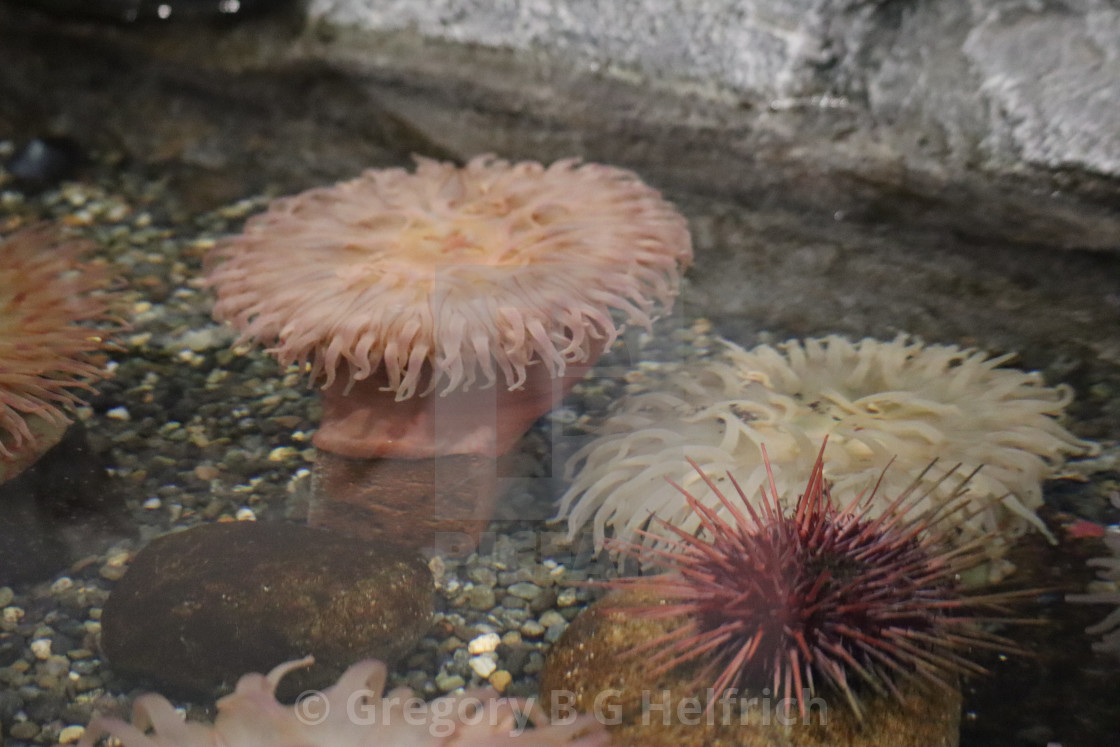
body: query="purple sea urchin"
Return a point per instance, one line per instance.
(819, 594)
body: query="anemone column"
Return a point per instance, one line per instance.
(436, 473)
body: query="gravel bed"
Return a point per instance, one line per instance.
(198, 430)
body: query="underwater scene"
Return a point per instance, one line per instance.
(347, 399)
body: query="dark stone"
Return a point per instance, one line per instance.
(44, 707)
(11, 649)
(10, 704)
(546, 600)
(202, 607)
(61, 508)
(60, 644)
(44, 162)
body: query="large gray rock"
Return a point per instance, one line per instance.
(766, 47)
(1051, 76)
(1009, 81)
(984, 120)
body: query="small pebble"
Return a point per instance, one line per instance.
(535, 663)
(532, 629)
(552, 617)
(483, 666)
(41, 647)
(484, 643)
(482, 575)
(481, 598)
(71, 734)
(24, 730)
(525, 591)
(282, 454)
(64, 583)
(555, 631)
(448, 682)
(500, 680)
(566, 597)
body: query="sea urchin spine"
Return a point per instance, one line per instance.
(828, 593)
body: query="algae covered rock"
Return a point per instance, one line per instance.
(201, 607)
(590, 669)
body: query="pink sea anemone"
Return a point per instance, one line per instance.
(395, 286)
(352, 713)
(51, 302)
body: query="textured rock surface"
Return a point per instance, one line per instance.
(904, 114)
(589, 663)
(1005, 80)
(203, 606)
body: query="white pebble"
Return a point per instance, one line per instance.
(484, 644)
(245, 514)
(532, 629)
(65, 583)
(118, 559)
(41, 647)
(203, 339)
(71, 734)
(282, 453)
(119, 413)
(483, 666)
(152, 502)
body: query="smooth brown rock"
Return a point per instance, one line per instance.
(444, 503)
(589, 669)
(205, 606)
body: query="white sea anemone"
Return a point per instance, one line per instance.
(351, 713)
(876, 402)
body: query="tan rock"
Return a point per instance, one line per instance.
(589, 669)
